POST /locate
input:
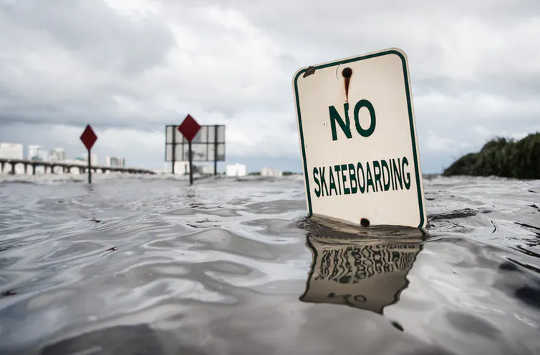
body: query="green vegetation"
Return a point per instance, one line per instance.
(502, 157)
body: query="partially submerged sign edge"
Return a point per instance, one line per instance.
(406, 78)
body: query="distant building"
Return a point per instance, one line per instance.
(236, 170)
(180, 168)
(36, 152)
(84, 158)
(57, 154)
(33, 151)
(11, 151)
(115, 162)
(271, 172)
(207, 169)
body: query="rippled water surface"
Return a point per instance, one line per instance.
(152, 266)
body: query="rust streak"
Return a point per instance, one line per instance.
(347, 73)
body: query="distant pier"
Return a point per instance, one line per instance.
(57, 167)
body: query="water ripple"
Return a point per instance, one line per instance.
(231, 266)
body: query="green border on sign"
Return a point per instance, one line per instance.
(411, 123)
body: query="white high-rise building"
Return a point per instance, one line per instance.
(236, 170)
(115, 162)
(33, 151)
(11, 151)
(36, 152)
(57, 154)
(84, 159)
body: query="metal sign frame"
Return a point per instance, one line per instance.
(209, 137)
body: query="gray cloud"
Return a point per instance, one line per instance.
(129, 67)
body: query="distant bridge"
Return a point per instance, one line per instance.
(66, 167)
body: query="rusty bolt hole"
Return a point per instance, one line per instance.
(347, 72)
(364, 222)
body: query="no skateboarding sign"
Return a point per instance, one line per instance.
(358, 140)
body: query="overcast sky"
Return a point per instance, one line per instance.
(130, 67)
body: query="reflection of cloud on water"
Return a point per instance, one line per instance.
(367, 270)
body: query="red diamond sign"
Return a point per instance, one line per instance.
(88, 137)
(189, 128)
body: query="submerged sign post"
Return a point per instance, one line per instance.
(358, 140)
(88, 137)
(189, 128)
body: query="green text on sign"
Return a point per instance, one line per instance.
(346, 125)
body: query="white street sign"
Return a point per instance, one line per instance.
(358, 140)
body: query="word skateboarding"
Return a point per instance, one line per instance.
(346, 179)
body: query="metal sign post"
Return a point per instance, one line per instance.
(88, 137)
(189, 128)
(173, 161)
(190, 165)
(215, 149)
(89, 168)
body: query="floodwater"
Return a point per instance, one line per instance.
(148, 265)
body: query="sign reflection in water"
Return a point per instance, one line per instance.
(366, 271)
